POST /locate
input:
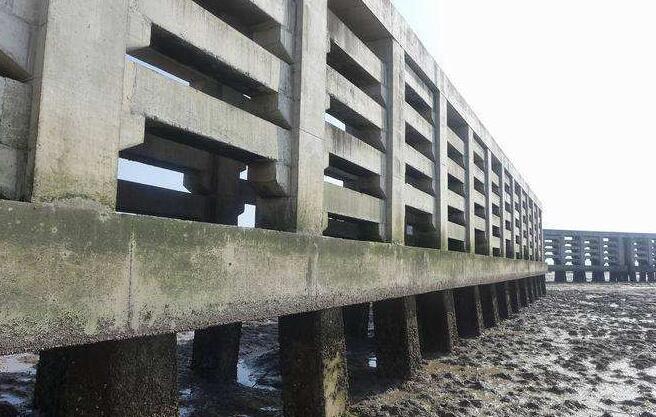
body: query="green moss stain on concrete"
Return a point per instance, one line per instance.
(73, 275)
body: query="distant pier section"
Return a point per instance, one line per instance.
(583, 256)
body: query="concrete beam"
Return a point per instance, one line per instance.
(152, 96)
(76, 276)
(196, 26)
(352, 204)
(348, 42)
(350, 96)
(353, 150)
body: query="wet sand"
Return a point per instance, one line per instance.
(584, 350)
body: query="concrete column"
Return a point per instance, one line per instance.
(515, 296)
(76, 121)
(130, 378)
(523, 293)
(393, 137)
(216, 349)
(470, 235)
(216, 353)
(397, 337)
(436, 314)
(77, 110)
(313, 364)
(532, 293)
(441, 171)
(489, 303)
(395, 321)
(469, 312)
(502, 208)
(488, 201)
(504, 302)
(560, 276)
(356, 321)
(543, 284)
(598, 276)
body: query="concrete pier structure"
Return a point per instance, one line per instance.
(582, 256)
(372, 182)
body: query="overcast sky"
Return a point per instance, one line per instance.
(568, 89)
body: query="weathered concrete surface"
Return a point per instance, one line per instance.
(136, 377)
(313, 364)
(469, 312)
(17, 21)
(75, 149)
(72, 276)
(398, 351)
(504, 299)
(15, 100)
(489, 303)
(436, 316)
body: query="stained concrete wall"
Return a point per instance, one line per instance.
(418, 168)
(76, 275)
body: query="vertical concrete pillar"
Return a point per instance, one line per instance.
(436, 317)
(489, 304)
(393, 57)
(397, 337)
(470, 231)
(395, 321)
(504, 302)
(528, 288)
(313, 364)
(135, 378)
(216, 349)
(543, 284)
(515, 296)
(76, 113)
(523, 293)
(356, 321)
(441, 182)
(533, 289)
(469, 312)
(216, 353)
(560, 277)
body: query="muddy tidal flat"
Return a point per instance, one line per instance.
(583, 350)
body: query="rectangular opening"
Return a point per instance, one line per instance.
(456, 216)
(351, 229)
(353, 177)
(456, 185)
(455, 155)
(480, 242)
(180, 60)
(479, 186)
(480, 211)
(418, 180)
(456, 245)
(165, 178)
(419, 229)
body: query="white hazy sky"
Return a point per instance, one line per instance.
(568, 89)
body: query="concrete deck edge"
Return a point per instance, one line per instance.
(74, 275)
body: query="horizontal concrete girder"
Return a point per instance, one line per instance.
(76, 275)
